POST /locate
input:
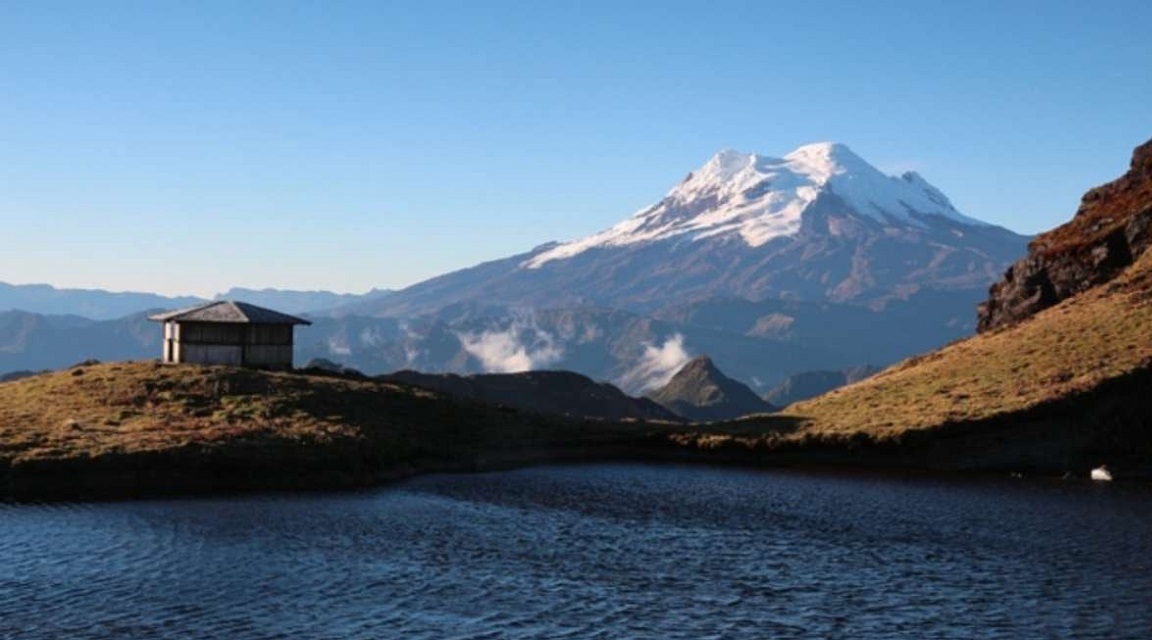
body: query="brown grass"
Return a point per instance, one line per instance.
(129, 408)
(1099, 335)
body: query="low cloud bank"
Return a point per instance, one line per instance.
(521, 347)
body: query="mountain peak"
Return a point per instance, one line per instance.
(701, 364)
(730, 157)
(700, 391)
(757, 198)
(726, 165)
(830, 150)
(824, 158)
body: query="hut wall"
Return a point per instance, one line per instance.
(213, 333)
(255, 345)
(269, 334)
(274, 356)
(211, 354)
(268, 345)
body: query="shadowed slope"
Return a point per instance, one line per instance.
(553, 392)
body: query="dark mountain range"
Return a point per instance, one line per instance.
(634, 352)
(760, 343)
(701, 392)
(30, 341)
(98, 304)
(925, 320)
(550, 392)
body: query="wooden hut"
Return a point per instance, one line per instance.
(231, 333)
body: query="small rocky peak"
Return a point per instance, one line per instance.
(701, 364)
(700, 391)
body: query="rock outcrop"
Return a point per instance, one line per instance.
(701, 392)
(1111, 229)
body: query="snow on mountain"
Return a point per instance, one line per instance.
(760, 198)
(819, 224)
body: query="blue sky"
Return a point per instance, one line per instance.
(190, 147)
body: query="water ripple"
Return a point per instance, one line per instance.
(605, 551)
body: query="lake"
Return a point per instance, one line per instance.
(594, 551)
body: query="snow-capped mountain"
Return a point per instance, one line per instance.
(759, 198)
(818, 224)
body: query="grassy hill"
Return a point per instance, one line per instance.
(137, 428)
(1063, 352)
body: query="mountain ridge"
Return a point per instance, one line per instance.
(95, 304)
(102, 304)
(762, 198)
(820, 224)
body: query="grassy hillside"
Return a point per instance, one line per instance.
(139, 425)
(1070, 349)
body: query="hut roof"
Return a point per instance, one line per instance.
(228, 311)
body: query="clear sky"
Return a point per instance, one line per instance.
(186, 147)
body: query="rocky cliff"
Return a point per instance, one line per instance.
(1111, 229)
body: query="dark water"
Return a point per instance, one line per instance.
(614, 551)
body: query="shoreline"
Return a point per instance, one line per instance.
(137, 430)
(171, 475)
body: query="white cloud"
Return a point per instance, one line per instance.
(520, 347)
(371, 337)
(656, 367)
(338, 347)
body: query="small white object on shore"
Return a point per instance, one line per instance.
(1102, 474)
